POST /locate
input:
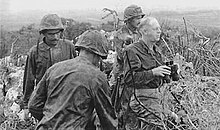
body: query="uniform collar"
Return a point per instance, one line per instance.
(85, 60)
(153, 50)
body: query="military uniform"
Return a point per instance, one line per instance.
(42, 56)
(71, 91)
(122, 38)
(38, 62)
(142, 61)
(127, 35)
(68, 94)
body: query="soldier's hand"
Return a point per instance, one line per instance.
(161, 71)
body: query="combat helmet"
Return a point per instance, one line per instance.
(93, 41)
(132, 11)
(51, 21)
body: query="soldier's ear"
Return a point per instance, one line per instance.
(144, 31)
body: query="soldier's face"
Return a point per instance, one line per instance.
(52, 35)
(136, 21)
(154, 31)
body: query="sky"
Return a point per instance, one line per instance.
(24, 5)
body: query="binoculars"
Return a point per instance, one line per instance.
(174, 76)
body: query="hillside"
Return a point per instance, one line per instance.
(203, 18)
(209, 18)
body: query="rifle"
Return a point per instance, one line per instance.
(116, 97)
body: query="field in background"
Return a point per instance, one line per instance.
(202, 18)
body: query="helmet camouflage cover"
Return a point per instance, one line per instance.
(93, 41)
(51, 21)
(132, 11)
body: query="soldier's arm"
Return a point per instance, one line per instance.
(103, 106)
(38, 99)
(29, 77)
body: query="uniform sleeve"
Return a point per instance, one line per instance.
(141, 77)
(103, 106)
(29, 77)
(38, 99)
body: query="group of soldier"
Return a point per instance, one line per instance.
(65, 90)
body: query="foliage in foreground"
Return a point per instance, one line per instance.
(195, 99)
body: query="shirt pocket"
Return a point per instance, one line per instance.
(42, 62)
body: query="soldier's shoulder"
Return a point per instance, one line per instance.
(94, 72)
(33, 49)
(62, 64)
(134, 46)
(99, 75)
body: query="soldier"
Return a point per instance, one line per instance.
(71, 90)
(43, 55)
(126, 35)
(144, 69)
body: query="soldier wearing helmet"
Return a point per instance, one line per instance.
(144, 71)
(49, 51)
(128, 34)
(71, 90)
(131, 12)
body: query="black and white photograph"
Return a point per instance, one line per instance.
(109, 65)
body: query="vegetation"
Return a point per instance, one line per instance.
(194, 98)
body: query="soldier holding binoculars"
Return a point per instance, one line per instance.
(146, 71)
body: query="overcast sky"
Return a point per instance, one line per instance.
(21, 5)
